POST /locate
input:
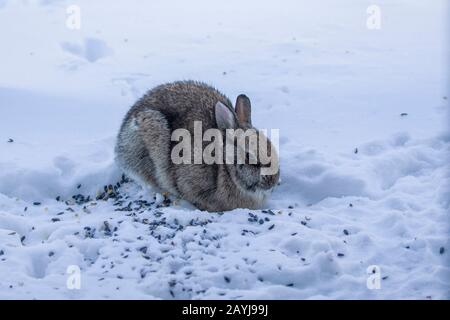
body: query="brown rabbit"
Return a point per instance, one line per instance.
(144, 147)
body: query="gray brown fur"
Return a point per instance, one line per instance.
(144, 146)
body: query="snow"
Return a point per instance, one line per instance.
(364, 147)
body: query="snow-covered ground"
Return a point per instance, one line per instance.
(364, 149)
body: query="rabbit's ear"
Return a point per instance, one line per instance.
(244, 109)
(224, 116)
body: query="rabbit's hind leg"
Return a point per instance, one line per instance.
(133, 157)
(155, 133)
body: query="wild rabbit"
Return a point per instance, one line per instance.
(145, 146)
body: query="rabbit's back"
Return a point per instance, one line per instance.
(182, 103)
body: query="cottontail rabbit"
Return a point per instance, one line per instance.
(144, 147)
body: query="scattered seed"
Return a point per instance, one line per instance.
(340, 254)
(10, 140)
(143, 250)
(227, 280)
(107, 228)
(86, 210)
(271, 227)
(36, 203)
(346, 232)
(441, 250)
(404, 114)
(55, 219)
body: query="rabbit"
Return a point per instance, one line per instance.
(144, 145)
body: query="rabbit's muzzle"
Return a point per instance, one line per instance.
(267, 182)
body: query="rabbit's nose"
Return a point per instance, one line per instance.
(267, 182)
(272, 179)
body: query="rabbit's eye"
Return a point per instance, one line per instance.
(266, 165)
